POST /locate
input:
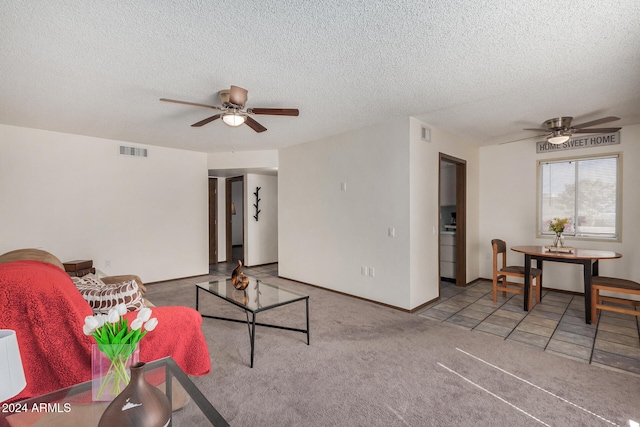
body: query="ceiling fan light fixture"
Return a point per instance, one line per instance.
(559, 130)
(232, 110)
(233, 119)
(558, 139)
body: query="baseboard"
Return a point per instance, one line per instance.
(413, 310)
(347, 295)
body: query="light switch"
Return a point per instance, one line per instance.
(392, 232)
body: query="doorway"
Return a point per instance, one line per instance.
(453, 213)
(235, 218)
(213, 220)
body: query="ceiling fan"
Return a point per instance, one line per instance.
(233, 112)
(559, 130)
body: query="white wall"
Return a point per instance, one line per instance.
(77, 198)
(425, 208)
(243, 160)
(261, 235)
(508, 208)
(326, 235)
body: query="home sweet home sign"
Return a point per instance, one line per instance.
(580, 142)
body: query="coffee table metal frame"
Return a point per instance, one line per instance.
(251, 324)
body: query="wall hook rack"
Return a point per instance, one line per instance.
(257, 202)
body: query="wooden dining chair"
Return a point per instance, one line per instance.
(612, 284)
(502, 272)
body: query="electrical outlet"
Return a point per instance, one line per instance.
(107, 264)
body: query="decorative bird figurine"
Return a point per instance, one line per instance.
(238, 279)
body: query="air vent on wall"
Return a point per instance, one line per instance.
(425, 134)
(133, 151)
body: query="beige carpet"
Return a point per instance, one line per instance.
(369, 365)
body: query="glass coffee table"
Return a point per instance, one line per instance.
(257, 297)
(72, 406)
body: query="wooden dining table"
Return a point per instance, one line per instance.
(588, 258)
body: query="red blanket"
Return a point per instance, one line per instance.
(40, 302)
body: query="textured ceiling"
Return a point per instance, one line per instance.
(479, 69)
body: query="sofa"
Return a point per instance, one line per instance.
(44, 256)
(42, 304)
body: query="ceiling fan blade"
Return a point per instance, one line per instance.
(238, 95)
(195, 104)
(597, 130)
(522, 139)
(275, 111)
(205, 121)
(537, 129)
(596, 122)
(254, 125)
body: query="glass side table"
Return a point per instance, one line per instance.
(72, 406)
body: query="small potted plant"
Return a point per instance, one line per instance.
(558, 226)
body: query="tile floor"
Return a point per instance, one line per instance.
(555, 325)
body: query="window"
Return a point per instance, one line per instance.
(585, 190)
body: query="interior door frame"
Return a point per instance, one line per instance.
(213, 220)
(461, 216)
(229, 234)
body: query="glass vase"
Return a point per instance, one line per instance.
(110, 369)
(558, 240)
